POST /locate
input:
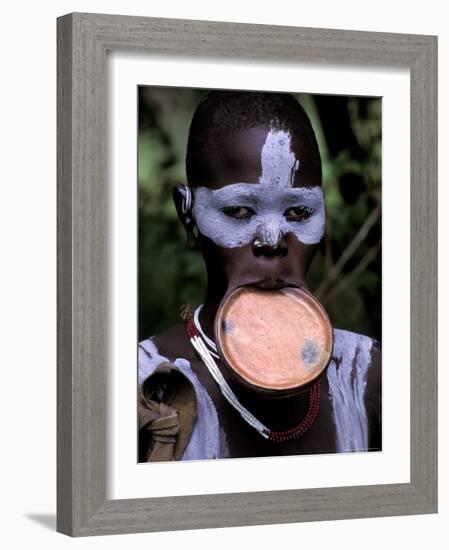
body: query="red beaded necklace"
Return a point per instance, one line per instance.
(201, 344)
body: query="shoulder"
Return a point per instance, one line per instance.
(348, 343)
(174, 342)
(354, 376)
(169, 346)
(359, 356)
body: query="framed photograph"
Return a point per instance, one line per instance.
(246, 274)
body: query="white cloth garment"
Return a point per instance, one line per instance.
(347, 377)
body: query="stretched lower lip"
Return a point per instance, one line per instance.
(272, 284)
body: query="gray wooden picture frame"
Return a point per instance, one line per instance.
(83, 41)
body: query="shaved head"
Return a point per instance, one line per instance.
(216, 150)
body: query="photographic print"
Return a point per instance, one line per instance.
(259, 274)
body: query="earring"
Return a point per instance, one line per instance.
(186, 199)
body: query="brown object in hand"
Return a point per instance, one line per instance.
(277, 341)
(167, 410)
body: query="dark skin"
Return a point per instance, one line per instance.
(237, 158)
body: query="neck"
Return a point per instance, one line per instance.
(277, 413)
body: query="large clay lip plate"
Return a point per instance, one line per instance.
(274, 339)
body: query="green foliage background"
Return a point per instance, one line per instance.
(345, 274)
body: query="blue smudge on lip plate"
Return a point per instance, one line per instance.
(227, 326)
(310, 353)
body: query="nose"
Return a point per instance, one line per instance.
(270, 249)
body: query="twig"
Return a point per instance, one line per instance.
(350, 277)
(359, 237)
(328, 260)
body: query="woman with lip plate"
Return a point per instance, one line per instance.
(256, 370)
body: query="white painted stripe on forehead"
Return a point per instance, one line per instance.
(279, 163)
(269, 199)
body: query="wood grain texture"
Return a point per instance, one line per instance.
(83, 40)
(64, 277)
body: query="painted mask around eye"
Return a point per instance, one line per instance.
(236, 214)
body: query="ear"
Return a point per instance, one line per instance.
(183, 199)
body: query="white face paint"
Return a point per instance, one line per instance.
(236, 214)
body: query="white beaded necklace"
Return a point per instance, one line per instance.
(207, 355)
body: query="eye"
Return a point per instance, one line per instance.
(298, 213)
(238, 212)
